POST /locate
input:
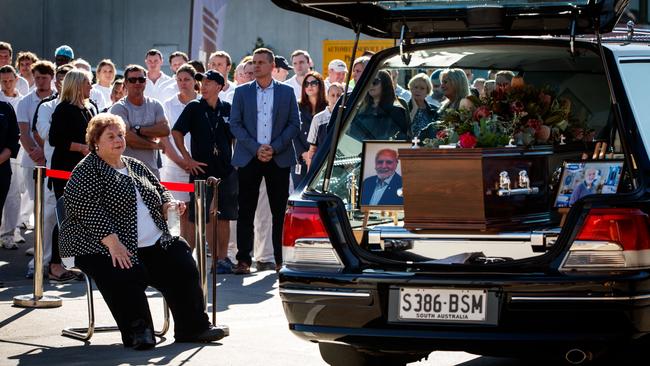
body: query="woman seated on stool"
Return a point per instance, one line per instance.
(117, 232)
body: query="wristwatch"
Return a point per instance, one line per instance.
(137, 130)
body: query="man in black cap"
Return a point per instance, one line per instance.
(281, 69)
(207, 120)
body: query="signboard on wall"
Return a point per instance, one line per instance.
(342, 49)
(208, 22)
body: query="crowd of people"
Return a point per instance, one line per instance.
(197, 123)
(120, 137)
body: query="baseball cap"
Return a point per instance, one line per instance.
(435, 76)
(282, 63)
(337, 65)
(65, 51)
(213, 75)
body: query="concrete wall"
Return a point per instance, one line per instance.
(283, 30)
(123, 30)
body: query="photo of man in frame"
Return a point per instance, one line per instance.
(580, 179)
(383, 188)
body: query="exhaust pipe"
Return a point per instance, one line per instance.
(577, 356)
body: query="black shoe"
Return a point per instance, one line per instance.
(211, 334)
(264, 266)
(144, 340)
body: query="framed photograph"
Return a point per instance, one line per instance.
(581, 178)
(381, 175)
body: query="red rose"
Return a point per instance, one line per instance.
(516, 107)
(481, 112)
(467, 140)
(442, 134)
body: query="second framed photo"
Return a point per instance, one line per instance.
(381, 175)
(581, 178)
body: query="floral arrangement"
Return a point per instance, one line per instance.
(521, 115)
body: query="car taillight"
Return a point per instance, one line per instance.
(611, 239)
(305, 240)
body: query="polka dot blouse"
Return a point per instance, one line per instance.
(101, 201)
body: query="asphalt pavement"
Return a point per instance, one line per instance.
(249, 305)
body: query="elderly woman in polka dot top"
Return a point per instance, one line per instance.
(116, 231)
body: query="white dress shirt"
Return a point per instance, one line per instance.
(264, 113)
(297, 88)
(227, 95)
(157, 90)
(380, 188)
(43, 123)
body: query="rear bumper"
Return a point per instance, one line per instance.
(561, 310)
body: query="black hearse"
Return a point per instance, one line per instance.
(563, 274)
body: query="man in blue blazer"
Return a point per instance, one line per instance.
(264, 119)
(382, 189)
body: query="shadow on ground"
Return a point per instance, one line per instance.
(79, 355)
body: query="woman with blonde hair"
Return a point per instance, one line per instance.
(68, 138)
(455, 86)
(105, 76)
(69, 122)
(421, 112)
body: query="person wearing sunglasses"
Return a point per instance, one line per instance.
(144, 118)
(380, 116)
(312, 101)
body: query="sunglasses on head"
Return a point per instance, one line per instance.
(134, 80)
(312, 83)
(377, 81)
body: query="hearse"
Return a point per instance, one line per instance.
(490, 250)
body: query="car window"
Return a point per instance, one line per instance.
(634, 72)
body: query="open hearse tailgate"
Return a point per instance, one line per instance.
(465, 17)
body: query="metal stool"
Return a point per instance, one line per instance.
(86, 333)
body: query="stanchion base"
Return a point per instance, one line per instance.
(225, 328)
(29, 301)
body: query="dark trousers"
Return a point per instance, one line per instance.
(171, 271)
(5, 182)
(277, 189)
(56, 254)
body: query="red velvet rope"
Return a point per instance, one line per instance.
(172, 186)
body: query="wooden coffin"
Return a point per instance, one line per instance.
(460, 188)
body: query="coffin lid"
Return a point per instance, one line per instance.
(454, 18)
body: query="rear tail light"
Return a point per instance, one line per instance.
(611, 239)
(305, 240)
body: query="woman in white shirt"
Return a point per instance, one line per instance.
(105, 75)
(173, 165)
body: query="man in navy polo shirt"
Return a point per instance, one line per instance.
(207, 120)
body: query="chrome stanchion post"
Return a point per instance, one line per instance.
(199, 236)
(214, 183)
(38, 300)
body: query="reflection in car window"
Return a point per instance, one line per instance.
(381, 116)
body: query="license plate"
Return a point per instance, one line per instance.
(446, 305)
